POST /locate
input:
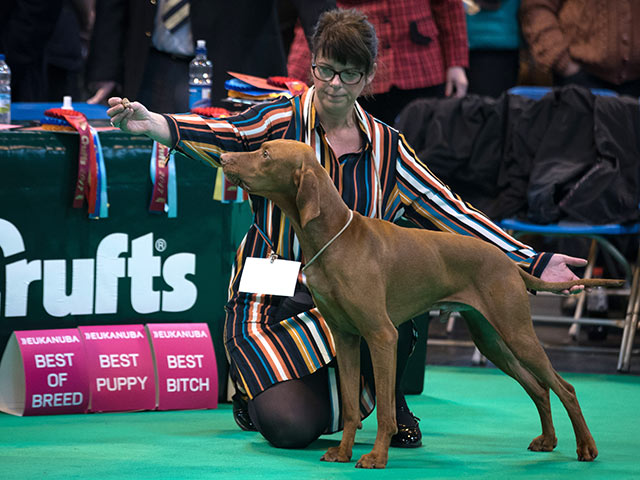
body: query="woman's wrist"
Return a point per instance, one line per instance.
(159, 129)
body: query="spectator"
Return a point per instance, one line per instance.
(26, 27)
(423, 52)
(494, 47)
(67, 50)
(592, 43)
(135, 55)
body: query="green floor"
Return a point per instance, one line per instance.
(476, 422)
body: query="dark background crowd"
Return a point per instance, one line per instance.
(91, 49)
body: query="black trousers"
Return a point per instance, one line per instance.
(387, 106)
(165, 84)
(492, 72)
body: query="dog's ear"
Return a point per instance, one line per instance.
(308, 197)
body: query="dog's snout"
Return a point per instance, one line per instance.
(224, 159)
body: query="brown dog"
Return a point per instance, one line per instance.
(376, 275)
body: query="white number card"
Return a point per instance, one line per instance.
(269, 277)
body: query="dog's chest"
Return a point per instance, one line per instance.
(334, 314)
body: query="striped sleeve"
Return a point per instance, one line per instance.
(427, 202)
(205, 139)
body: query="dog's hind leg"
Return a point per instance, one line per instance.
(348, 356)
(491, 346)
(518, 334)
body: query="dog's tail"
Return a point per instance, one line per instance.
(535, 283)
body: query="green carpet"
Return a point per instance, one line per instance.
(477, 423)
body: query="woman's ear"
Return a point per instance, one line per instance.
(372, 74)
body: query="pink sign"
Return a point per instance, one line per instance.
(55, 372)
(121, 372)
(186, 365)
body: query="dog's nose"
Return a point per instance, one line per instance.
(224, 159)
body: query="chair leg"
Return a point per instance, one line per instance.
(450, 323)
(574, 330)
(477, 358)
(630, 320)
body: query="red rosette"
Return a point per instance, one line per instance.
(212, 112)
(87, 182)
(280, 81)
(295, 86)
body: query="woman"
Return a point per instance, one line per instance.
(280, 349)
(424, 52)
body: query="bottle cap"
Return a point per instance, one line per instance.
(66, 103)
(201, 44)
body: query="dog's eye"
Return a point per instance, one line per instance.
(265, 154)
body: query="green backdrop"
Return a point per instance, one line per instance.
(37, 179)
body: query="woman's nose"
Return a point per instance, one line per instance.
(335, 81)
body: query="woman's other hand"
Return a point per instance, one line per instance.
(557, 270)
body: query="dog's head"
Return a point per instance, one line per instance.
(281, 170)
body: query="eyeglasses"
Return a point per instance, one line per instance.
(327, 74)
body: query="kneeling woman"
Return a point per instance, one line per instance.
(280, 349)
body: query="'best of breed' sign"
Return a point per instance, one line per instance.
(48, 373)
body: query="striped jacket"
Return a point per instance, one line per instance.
(385, 179)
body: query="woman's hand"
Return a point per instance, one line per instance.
(133, 117)
(130, 117)
(572, 68)
(456, 82)
(557, 270)
(103, 90)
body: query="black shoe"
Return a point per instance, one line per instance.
(241, 413)
(409, 434)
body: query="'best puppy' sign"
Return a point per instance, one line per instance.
(121, 368)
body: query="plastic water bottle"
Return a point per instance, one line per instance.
(200, 75)
(5, 91)
(597, 302)
(67, 103)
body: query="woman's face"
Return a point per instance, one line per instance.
(334, 95)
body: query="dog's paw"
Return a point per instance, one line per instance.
(543, 444)
(371, 460)
(587, 452)
(335, 454)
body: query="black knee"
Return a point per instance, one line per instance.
(294, 413)
(288, 429)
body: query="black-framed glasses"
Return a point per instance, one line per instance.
(349, 76)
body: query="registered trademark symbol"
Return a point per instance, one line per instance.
(161, 245)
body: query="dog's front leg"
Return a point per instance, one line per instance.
(348, 355)
(383, 347)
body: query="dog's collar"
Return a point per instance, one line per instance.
(329, 242)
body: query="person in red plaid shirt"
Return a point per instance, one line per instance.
(423, 52)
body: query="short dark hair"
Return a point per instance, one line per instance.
(347, 36)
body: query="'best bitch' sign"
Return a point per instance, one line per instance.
(186, 365)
